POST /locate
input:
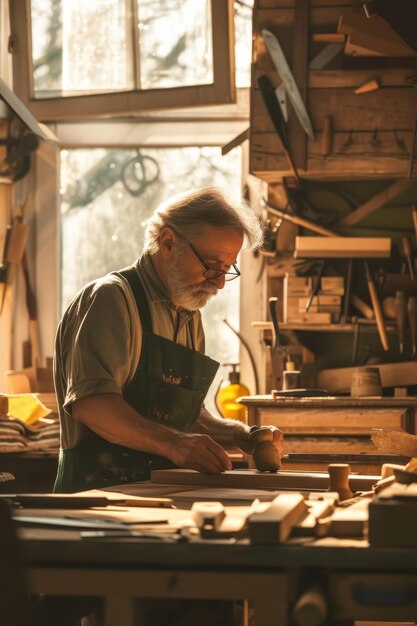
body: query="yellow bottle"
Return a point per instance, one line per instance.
(226, 396)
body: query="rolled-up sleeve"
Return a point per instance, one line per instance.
(97, 345)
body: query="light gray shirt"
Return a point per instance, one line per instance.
(99, 340)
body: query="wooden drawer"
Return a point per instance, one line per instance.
(386, 597)
(335, 421)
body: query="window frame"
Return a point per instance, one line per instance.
(221, 91)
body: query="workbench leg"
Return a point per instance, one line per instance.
(268, 613)
(119, 610)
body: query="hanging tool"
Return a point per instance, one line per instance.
(408, 253)
(348, 292)
(400, 305)
(277, 351)
(412, 322)
(414, 215)
(326, 55)
(377, 308)
(277, 119)
(287, 78)
(300, 221)
(412, 149)
(356, 324)
(315, 285)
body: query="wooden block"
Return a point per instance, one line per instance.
(375, 34)
(275, 524)
(333, 284)
(393, 442)
(392, 522)
(342, 247)
(392, 375)
(370, 85)
(320, 299)
(317, 509)
(298, 281)
(310, 318)
(350, 521)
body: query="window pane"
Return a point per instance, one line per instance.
(175, 43)
(81, 47)
(107, 195)
(243, 41)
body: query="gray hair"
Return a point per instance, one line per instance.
(189, 212)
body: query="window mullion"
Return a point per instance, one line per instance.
(135, 41)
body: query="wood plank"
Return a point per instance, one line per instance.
(336, 79)
(272, 167)
(333, 420)
(377, 201)
(339, 380)
(393, 442)
(252, 479)
(392, 108)
(322, 444)
(342, 247)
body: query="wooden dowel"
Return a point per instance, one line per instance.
(377, 309)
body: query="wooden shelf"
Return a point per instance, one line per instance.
(365, 326)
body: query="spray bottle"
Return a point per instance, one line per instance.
(227, 393)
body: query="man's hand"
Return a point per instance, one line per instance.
(243, 440)
(199, 452)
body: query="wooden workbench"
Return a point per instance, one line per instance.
(359, 582)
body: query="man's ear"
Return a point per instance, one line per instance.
(166, 241)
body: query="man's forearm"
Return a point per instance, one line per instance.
(113, 419)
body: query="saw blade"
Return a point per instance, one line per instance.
(291, 88)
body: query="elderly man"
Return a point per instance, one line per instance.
(130, 370)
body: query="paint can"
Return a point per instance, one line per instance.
(366, 381)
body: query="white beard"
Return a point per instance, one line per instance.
(191, 297)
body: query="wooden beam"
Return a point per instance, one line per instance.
(298, 137)
(378, 201)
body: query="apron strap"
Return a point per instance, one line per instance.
(131, 275)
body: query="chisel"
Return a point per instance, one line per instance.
(412, 322)
(377, 309)
(408, 253)
(400, 306)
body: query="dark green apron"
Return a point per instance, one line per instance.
(169, 386)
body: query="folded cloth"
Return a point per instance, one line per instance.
(16, 436)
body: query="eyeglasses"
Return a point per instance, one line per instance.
(212, 274)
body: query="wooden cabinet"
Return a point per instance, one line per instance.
(331, 425)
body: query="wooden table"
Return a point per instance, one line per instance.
(358, 582)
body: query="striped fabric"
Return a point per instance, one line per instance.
(16, 436)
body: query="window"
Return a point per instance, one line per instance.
(106, 197)
(114, 172)
(104, 57)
